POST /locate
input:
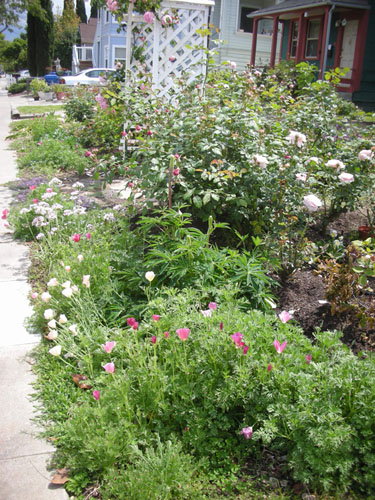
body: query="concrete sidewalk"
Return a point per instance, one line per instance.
(23, 457)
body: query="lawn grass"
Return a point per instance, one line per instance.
(31, 110)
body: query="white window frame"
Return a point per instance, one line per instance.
(122, 60)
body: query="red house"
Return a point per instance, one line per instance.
(330, 34)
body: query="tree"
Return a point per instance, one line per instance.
(94, 9)
(10, 11)
(66, 34)
(13, 54)
(81, 11)
(40, 38)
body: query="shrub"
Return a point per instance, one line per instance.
(80, 106)
(17, 88)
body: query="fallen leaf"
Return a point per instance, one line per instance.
(78, 380)
(61, 477)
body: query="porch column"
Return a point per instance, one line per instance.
(299, 52)
(254, 42)
(274, 40)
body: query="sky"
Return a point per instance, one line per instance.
(57, 7)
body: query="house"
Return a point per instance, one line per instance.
(82, 54)
(230, 17)
(328, 33)
(109, 43)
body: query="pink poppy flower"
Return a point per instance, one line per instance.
(284, 316)
(156, 317)
(183, 333)
(123, 133)
(35, 200)
(130, 184)
(49, 190)
(153, 339)
(138, 128)
(176, 172)
(135, 325)
(279, 348)
(166, 334)
(148, 17)
(269, 367)
(108, 346)
(207, 313)
(34, 295)
(212, 306)
(130, 321)
(88, 154)
(5, 213)
(247, 432)
(149, 132)
(109, 367)
(88, 236)
(76, 237)
(55, 351)
(86, 280)
(308, 358)
(32, 188)
(177, 156)
(237, 338)
(245, 349)
(96, 395)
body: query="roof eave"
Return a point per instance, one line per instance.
(307, 6)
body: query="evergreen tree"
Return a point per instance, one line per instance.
(81, 11)
(94, 9)
(40, 38)
(66, 34)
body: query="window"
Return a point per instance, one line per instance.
(246, 23)
(293, 39)
(312, 38)
(120, 54)
(107, 16)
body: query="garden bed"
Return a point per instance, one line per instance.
(165, 332)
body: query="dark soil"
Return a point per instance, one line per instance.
(304, 292)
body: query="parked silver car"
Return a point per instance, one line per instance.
(93, 76)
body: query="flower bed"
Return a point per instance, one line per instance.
(165, 369)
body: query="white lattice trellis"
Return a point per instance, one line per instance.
(170, 51)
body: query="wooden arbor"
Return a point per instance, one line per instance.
(170, 50)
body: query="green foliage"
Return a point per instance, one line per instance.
(163, 472)
(65, 35)
(81, 11)
(14, 55)
(40, 38)
(17, 88)
(53, 155)
(183, 256)
(38, 85)
(80, 106)
(10, 11)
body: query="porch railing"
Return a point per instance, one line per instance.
(81, 54)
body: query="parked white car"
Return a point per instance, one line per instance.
(92, 76)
